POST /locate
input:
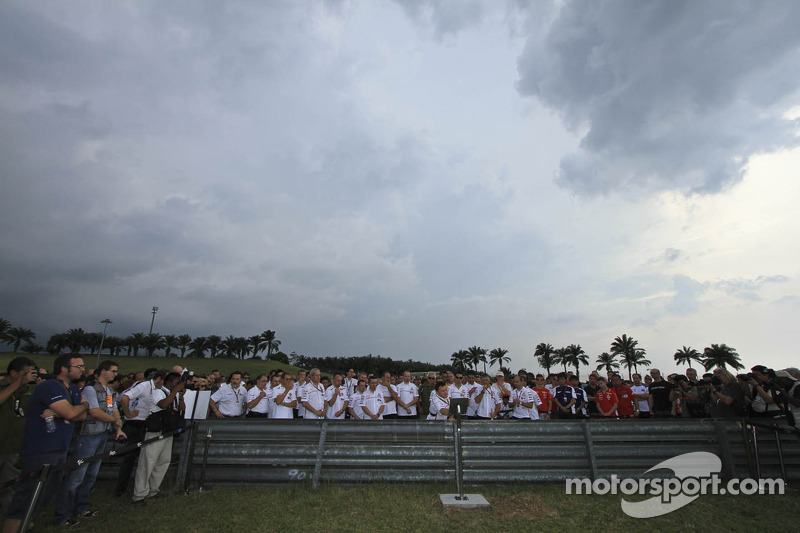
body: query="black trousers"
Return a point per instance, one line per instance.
(134, 429)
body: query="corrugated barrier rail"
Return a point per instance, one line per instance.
(258, 451)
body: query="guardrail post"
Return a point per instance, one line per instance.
(587, 435)
(320, 449)
(205, 458)
(458, 457)
(187, 461)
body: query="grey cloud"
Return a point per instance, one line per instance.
(687, 292)
(445, 17)
(747, 289)
(667, 95)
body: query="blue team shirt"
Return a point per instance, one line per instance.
(564, 394)
(36, 439)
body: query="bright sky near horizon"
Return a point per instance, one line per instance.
(406, 178)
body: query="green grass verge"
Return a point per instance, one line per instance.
(416, 507)
(134, 364)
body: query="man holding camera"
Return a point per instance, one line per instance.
(73, 500)
(155, 457)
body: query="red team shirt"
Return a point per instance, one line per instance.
(545, 396)
(606, 400)
(626, 399)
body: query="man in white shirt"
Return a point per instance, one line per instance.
(525, 402)
(642, 393)
(275, 382)
(440, 403)
(298, 385)
(284, 399)
(373, 403)
(336, 399)
(313, 397)
(503, 391)
(357, 401)
(350, 382)
(457, 389)
(230, 400)
(258, 398)
(473, 387)
(407, 398)
(487, 400)
(389, 396)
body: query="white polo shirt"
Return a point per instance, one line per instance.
(298, 393)
(141, 398)
(339, 405)
(230, 401)
(472, 390)
(437, 404)
(488, 403)
(281, 411)
(262, 407)
(454, 391)
(644, 407)
(315, 396)
(356, 404)
(527, 395)
(373, 401)
(407, 393)
(391, 405)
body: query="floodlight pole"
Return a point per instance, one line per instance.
(105, 323)
(155, 310)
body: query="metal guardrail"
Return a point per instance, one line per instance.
(257, 451)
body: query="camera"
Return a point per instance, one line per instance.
(122, 440)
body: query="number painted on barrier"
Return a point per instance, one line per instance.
(297, 475)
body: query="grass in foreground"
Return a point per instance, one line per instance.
(416, 507)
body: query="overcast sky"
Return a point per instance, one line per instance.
(406, 178)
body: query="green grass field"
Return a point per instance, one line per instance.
(416, 507)
(133, 364)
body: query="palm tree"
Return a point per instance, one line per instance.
(134, 341)
(32, 348)
(5, 325)
(686, 355)
(152, 342)
(626, 347)
(560, 358)
(478, 355)
(270, 342)
(76, 338)
(18, 335)
(256, 344)
(56, 342)
(183, 343)
(545, 354)
(114, 345)
(91, 341)
(198, 348)
(459, 361)
(498, 355)
(721, 355)
(171, 342)
(576, 356)
(639, 360)
(213, 342)
(607, 361)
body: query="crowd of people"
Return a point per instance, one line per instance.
(70, 414)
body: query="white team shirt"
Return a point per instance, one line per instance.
(488, 403)
(454, 391)
(527, 395)
(356, 404)
(644, 407)
(391, 405)
(315, 396)
(339, 405)
(473, 389)
(262, 407)
(230, 401)
(437, 404)
(373, 401)
(282, 411)
(298, 393)
(141, 398)
(407, 393)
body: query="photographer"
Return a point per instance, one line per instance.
(15, 393)
(688, 396)
(727, 399)
(762, 404)
(787, 395)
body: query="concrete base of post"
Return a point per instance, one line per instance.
(468, 501)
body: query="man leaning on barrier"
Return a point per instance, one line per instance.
(55, 404)
(73, 497)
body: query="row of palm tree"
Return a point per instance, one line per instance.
(631, 356)
(18, 336)
(474, 355)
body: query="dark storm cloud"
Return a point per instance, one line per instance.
(666, 95)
